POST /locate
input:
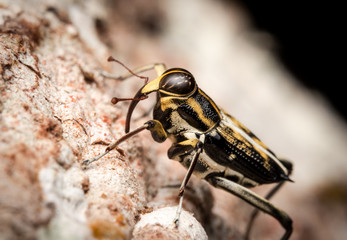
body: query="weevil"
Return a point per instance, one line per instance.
(207, 141)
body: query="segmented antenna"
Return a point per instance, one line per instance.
(111, 59)
(115, 100)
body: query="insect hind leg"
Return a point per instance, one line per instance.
(255, 200)
(270, 194)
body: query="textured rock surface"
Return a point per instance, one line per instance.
(53, 110)
(56, 112)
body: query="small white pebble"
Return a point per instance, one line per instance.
(160, 222)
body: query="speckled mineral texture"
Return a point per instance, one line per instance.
(54, 113)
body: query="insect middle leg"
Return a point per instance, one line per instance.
(255, 200)
(185, 147)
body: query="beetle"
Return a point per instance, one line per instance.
(207, 141)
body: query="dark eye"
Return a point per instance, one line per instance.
(178, 81)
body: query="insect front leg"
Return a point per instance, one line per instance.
(154, 126)
(255, 200)
(270, 194)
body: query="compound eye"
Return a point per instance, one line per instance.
(177, 81)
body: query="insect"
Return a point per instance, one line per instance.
(207, 141)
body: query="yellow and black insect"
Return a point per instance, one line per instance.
(207, 141)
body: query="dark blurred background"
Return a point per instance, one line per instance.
(309, 36)
(276, 66)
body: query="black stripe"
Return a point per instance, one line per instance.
(219, 149)
(191, 116)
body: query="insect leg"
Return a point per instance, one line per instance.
(255, 200)
(198, 150)
(157, 130)
(181, 148)
(158, 133)
(270, 194)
